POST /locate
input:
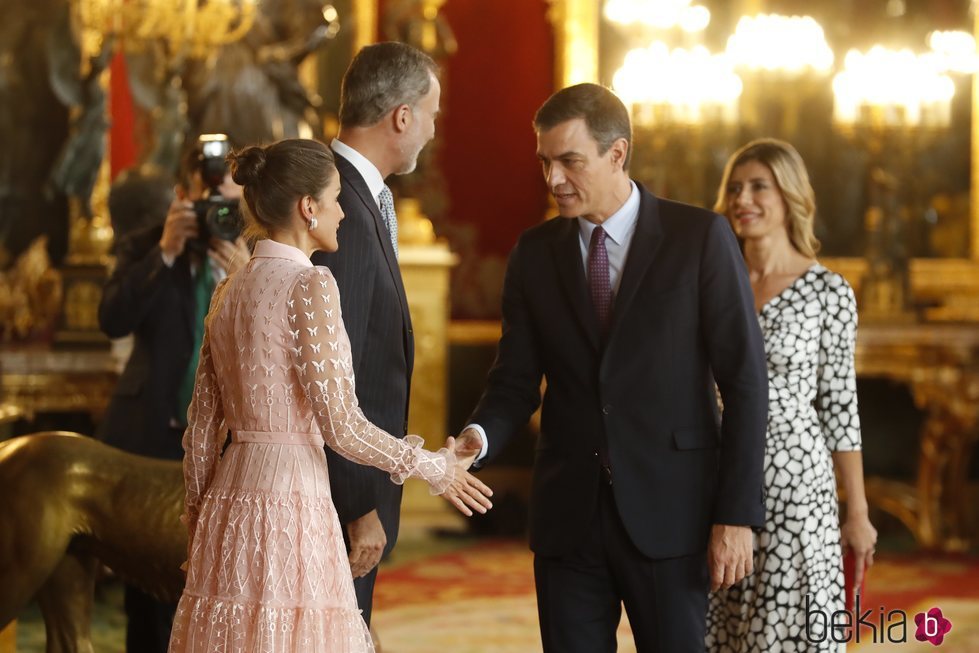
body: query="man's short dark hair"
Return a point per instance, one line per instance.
(139, 198)
(604, 113)
(381, 77)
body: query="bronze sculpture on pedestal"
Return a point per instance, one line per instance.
(71, 503)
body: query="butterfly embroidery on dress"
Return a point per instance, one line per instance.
(312, 330)
(328, 312)
(310, 316)
(319, 366)
(268, 369)
(331, 328)
(316, 347)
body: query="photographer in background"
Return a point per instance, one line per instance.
(160, 292)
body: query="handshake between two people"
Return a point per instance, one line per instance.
(466, 492)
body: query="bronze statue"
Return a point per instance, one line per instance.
(70, 503)
(33, 127)
(77, 168)
(250, 89)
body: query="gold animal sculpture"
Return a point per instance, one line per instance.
(69, 503)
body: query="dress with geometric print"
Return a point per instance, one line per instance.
(810, 333)
(267, 570)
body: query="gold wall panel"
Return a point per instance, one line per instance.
(425, 269)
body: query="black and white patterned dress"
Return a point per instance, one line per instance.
(810, 331)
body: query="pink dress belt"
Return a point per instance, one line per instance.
(277, 437)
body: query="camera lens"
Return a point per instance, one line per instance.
(224, 220)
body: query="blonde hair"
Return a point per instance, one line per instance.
(792, 180)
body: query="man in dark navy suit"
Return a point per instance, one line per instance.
(388, 103)
(631, 307)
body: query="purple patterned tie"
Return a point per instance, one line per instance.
(598, 277)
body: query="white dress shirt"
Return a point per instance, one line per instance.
(367, 170)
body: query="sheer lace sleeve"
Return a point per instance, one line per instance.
(322, 358)
(204, 437)
(836, 398)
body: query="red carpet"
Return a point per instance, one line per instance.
(480, 599)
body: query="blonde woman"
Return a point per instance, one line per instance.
(808, 317)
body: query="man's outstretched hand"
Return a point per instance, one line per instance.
(468, 444)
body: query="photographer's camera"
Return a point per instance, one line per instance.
(217, 216)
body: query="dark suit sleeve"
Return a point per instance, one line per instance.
(132, 290)
(512, 392)
(737, 357)
(354, 485)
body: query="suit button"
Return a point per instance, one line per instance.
(606, 409)
(595, 453)
(411, 332)
(405, 427)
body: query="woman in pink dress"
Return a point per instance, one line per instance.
(267, 569)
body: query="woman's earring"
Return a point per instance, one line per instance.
(312, 223)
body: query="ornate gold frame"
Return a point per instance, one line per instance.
(576, 28)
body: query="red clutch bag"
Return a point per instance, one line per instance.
(849, 571)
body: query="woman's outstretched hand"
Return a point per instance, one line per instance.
(466, 492)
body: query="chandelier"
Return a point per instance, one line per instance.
(678, 86)
(886, 88)
(187, 28)
(792, 44)
(659, 14)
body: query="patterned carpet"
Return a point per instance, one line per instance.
(478, 599)
(477, 596)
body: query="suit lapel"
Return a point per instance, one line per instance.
(645, 242)
(567, 257)
(355, 181)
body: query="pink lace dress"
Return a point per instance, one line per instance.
(267, 569)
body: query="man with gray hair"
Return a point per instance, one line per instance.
(388, 102)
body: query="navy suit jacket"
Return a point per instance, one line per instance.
(376, 318)
(682, 319)
(156, 304)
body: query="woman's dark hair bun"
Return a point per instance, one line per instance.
(247, 165)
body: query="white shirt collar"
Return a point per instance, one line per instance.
(619, 224)
(367, 170)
